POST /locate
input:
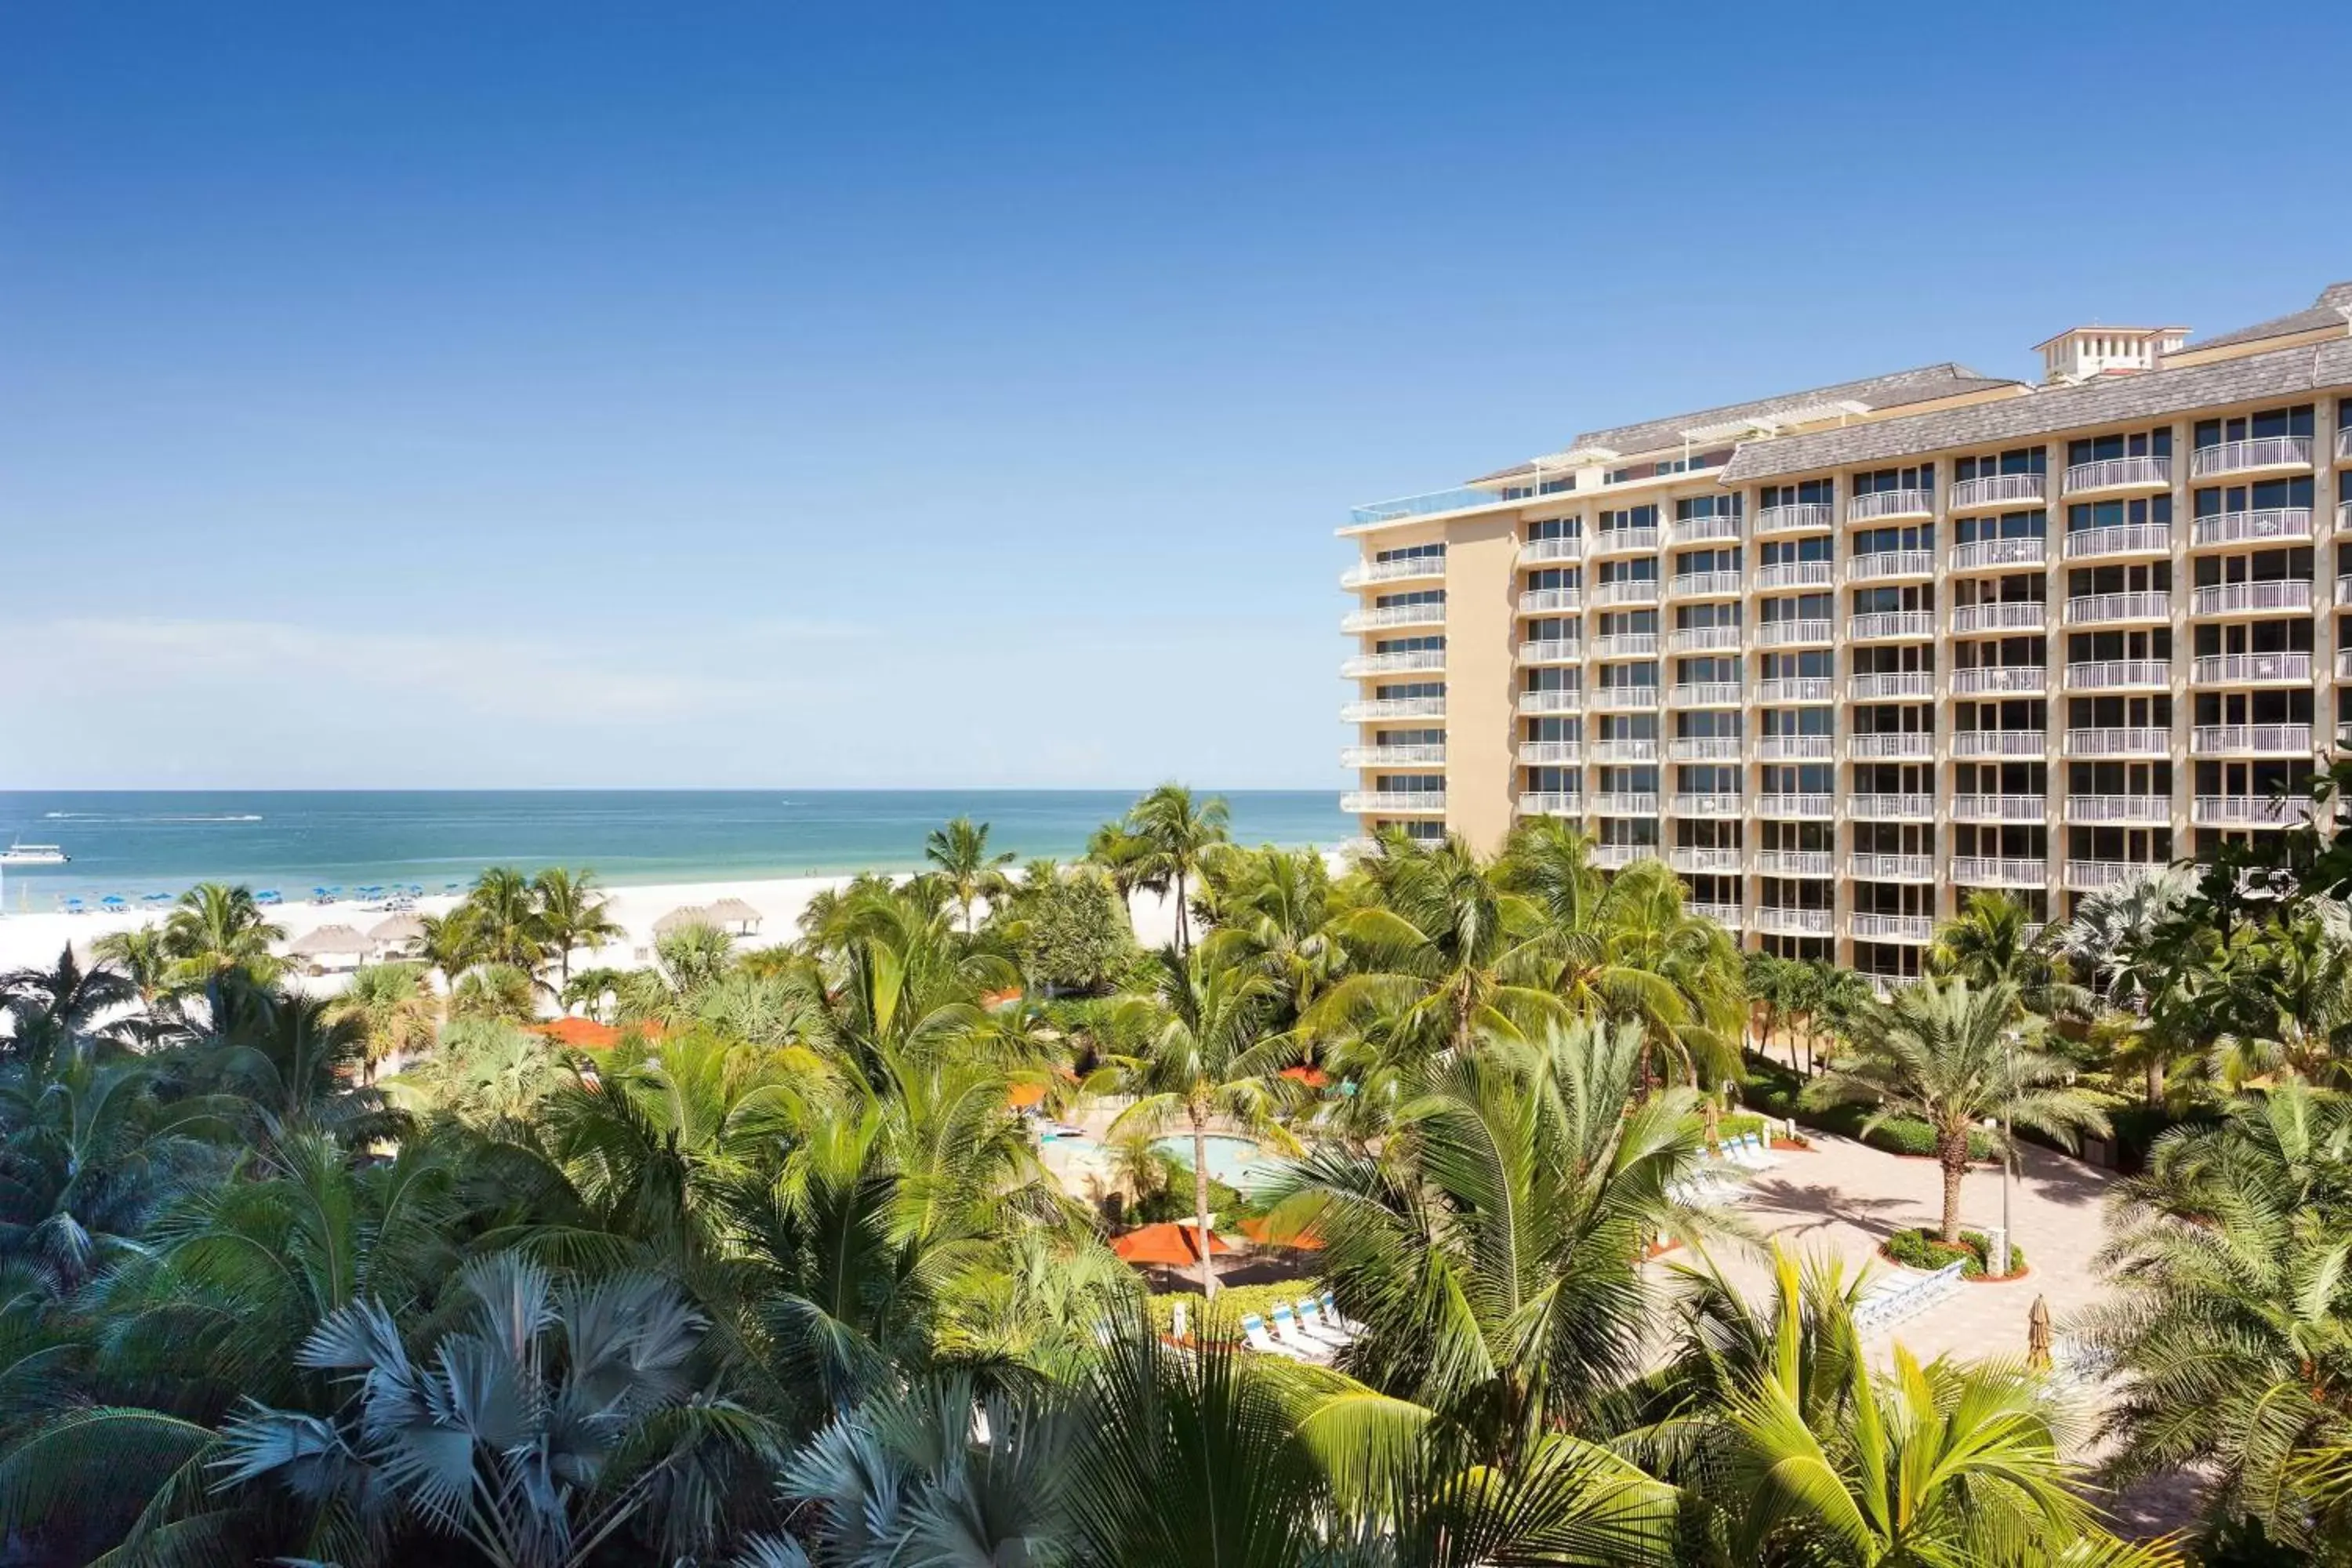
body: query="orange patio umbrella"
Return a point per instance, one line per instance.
(1313, 1077)
(1261, 1231)
(1168, 1243)
(580, 1033)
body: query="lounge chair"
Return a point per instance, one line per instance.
(1309, 1348)
(1253, 1333)
(1315, 1326)
(1346, 1326)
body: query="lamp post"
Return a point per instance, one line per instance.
(2008, 1150)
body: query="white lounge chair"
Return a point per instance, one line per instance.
(1253, 1333)
(1316, 1327)
(1286, 1325)
(1345, 1324)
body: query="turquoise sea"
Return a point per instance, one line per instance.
(134, 844)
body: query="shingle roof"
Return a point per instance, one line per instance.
(2329, 310)
(2107, 401)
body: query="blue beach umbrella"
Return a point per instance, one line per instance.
(269, 895)
(415, 889)
(453, 887)
(74, 906)
(114, 901)
(156, 898)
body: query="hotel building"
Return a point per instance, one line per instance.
(1843, 656)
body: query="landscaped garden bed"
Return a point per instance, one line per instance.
(1922, 1247)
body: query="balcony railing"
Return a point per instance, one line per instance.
(1891, 868)
(1701, 530)
(1551, 803)
(1796, 863)
(1538, 703)
(1430, 755)
(1912, 928)
(2118, 742)
(1385, 616)
(1365, 572)
(1880, 564)
(1795, 575)
(2236, 598)
(1795, 688)
(1984, 555)
(1550, 601)
(2343, 444)
(2119, 675)
(1707, 694)
(1893, 744)
(1891, 807)
(2250, 668)
(1617, 697)
(1627, 590)
(1551, 651)
(2118, 808)
(1879, 684)
(1626, 803)
(1708, 805)
(1617, 856)
(1890, 503)
(1724, 915)
(1793, 748)
(2344, 591)
(1703, 859)
(1794, 517)
(2247, 810)
(1990, 871)
(1626, 541)
(1703, 640)
(1394, 803)
(2029, 679)
(2289, 523)
(2120, 539)
(1551, 754)
(1999, 807)
(2142, 606)
(1432, 504)
(1793, 922)
(1880, 625)
(1703, 748)
(1626, 644)
(1540, 551)
(1412, 661)
(1626, 750)
(1705, 584)
(1781, 634)
(2244, 457)
(2002, 616)
(1796, 807)
(2119, 474)
(2344, 664)
(2087, 876)
(2000, 742)
(2260, 740)
(1994, 491)
(1376, 710)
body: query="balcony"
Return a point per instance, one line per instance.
(1795, 575)
(1551, 754)
(1880, 564)
(1796, 517)
(1626, 803)
(1550, 601)
(2248, 811)
(1793, 922)
(1989, 555)
(1705, 585)
(1703, 640)
(1993, 492)
(1999, 808)
(2251, 669)
(1550, 551)
(1536, 704)
(1891, 807)
(1986, 871)
(2344, 591)
(1891, 868)
(1551, 651)
(1624, 698)
(2120, 539)
(1796, 863)
(2097, 609)
(2250, 739)
(1724, 915)
(1917, 930)
(2344, 443)
(1880, 626)
(1717, 805)
(1627, 590)
(1697, 860)
(1626, 541)
(1365, 572)
(2252, 599)
(2120, 474)
(1707, 694)
(2344, 664)
(1626, 644)
(1388, 616)
(1793, 748)
(2001, 615)
(2119, 808)
(1784, 634)
(1891, 744)
(1432, 504)
(1703, 748)
(2282, 524)
(2021, 679)
(1703, 530)
(1394, 803)
(2089, 875)
(2119, 675)
(2130, 743)
(1794, 689)
(1625, 750)
(1420, 660)
(1424, 756)
(1377, 710)
(1796, 807)
(1551, 803)
(1881, 504)
(2000, 742)
(1617, 856)
(1880, 684)
(2250, 456)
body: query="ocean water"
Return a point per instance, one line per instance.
(134, 844)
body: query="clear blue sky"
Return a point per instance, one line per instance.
(444, 394)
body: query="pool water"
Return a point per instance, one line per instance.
(1236, 1162)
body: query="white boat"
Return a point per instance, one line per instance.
(33, 854)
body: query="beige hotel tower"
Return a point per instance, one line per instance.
(1843, 656)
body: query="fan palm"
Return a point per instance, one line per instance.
(1177, 833)
(142, 957)
(572, 913)
(960, 851)
(395, 1009)
(2125, 940)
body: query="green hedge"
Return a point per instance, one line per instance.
(1774, 1090)
(1924, 1249)
(1234, 1302)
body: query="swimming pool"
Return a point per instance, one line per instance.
(1236, 1162)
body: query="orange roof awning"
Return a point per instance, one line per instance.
(1169, 1243)
(581, 1034)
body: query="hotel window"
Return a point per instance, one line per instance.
(1797, 607)
(1617, 622)
(1708, 724)
(1706, 671)
(1556, 528)
(1778, 722)
(2023, 460)
(2294, 421)
(2260, 566)
(2090, 582)
(1552, 628)
(1546, 678)
(1813, 664)
(1805, 492)
(1414, 553)
(1625, 518)
(1916, 477)
(2006, 525)
(1408, 644)
(2268, 495)
(2082, 515)
(1891, 597)
(1690, 509)
(1691, 563)
(2155, 443)
(1699, 617)
(1789, 551)
(1420, 688)
(1636, 568)
(1891, 540)
(1431, 596)
(1544, 578)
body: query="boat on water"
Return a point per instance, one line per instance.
(33, 854)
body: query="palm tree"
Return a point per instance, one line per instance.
(1177, 833)
(498, 992)
(1275, 907)
(970, 873)
(1120, 855)
(452, 944)
(54, 1014)
(1991, 943)
(572, 913)
(1201, 1057)
(506, 922)
(143, 956)
(1947, 1053)
(2124, 940)
(214, 928)
(395, 1009)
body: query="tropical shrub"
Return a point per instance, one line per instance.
(1922, 1249)
(1074, 936)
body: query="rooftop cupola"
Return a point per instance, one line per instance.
(2079, 353)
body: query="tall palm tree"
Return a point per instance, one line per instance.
(1275, 908)
(572, 913)
(505, 918)
(1120, 854)
(1201, 1057)
(1949, 1055)
(1177, 833)
(62, 1012)
(959, 850)
(2124, 939)
(1992, 942)
(452, 944)
(394, 1010)
(215, 927)
(141, 957)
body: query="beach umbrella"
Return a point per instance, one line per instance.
(398, 931)
(74, 906)
(114, 901)
(1169, 1244)
(331, 940)
(156, 898)
(734, 912)
(269, 895)
(681, 918)
(415, 889)
(1265, 1233)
